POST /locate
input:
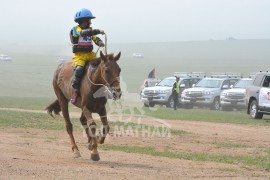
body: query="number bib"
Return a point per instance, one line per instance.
(85, 41)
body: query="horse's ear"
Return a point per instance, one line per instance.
(103, 57)
(117, 57)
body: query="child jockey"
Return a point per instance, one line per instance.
(81, 37)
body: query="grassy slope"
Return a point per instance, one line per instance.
(30, 73)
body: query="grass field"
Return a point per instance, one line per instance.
(204, 115)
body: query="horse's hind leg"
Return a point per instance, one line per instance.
(69, 127)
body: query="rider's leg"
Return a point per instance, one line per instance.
(78, 74)
(80, 59)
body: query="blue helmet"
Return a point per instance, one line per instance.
(83, 13)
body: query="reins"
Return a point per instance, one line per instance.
(105, 50)
(106, 85)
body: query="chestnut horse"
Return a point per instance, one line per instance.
(99, 73)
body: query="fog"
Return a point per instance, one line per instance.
(46, 22)
(172, 35)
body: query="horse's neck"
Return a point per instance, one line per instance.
(94, 74)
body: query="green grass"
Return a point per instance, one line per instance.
(204, 115)
(262, 162)
(231, 145)
(227, 169)
(16, 119)
(33, 120)
(141, 127)
(30, 103)
(25, 102)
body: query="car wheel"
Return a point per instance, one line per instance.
(253, 109)
(216, 105)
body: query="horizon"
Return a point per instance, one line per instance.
(178, 41)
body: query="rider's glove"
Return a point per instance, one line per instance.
(101, 32)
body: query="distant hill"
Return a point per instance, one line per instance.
(32, 67)
(208, 56)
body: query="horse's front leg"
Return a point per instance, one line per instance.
(83, 121)
(106, 127)
(91, 134)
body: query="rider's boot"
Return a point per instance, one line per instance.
(74, 98)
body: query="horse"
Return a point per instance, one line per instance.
(100, 72)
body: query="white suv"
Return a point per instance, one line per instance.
(162, 92)
(207, 91)
(235, 97)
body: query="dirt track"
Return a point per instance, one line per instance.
(43, 154)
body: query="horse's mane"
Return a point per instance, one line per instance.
(96, 61)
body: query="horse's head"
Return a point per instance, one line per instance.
(110, 73)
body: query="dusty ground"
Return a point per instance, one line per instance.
(43, 154)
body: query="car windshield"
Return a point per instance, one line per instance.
(242, 83)
(209, 83)
(166, 82)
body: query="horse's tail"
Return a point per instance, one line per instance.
(53, 107)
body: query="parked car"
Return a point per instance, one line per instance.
(235, 98)
(258, 95)
(162, 92)
(207, 91)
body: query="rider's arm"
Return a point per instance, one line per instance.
(97, 40)
(90, 32)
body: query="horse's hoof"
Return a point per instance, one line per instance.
(95, 157)
(76, 154)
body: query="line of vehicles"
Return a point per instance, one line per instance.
(219, 91)
(198, 90)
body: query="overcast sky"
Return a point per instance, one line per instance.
(49, 21)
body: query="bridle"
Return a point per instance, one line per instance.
(107, 85)
(114, 91)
